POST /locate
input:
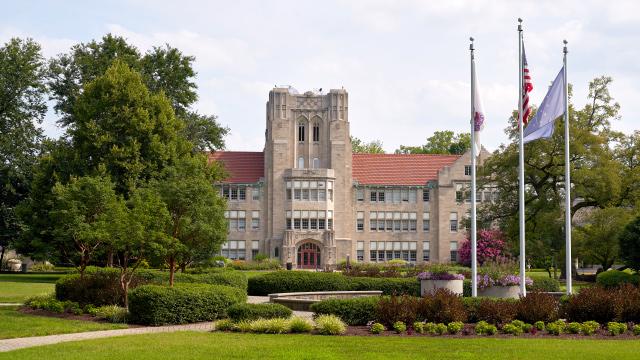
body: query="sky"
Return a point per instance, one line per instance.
(404, 63)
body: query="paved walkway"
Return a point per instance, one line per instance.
(19, 343)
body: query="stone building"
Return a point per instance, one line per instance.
(307, 200)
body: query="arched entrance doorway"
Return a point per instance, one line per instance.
(309, 256)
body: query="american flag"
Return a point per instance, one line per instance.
(527, 86)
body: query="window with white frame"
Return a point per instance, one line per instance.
(236, 220)
(233, 192)
(360, 221)
(426, 222)
(255, 220)
(380, 251)
(426, 251)
(255, 193)
(360, 251)
(359, 194)
(301, 162)
(316, 163)
(467, 170)
(234, 249)
(453, 222)
(308, 190)
(255, 248)
(395, 221)
(459, 193)
(453, 249)
(308, 220)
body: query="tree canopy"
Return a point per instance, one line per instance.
(372, 147)
(441, 142)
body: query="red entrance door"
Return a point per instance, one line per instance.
(308, 256)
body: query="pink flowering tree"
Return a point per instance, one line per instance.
(490, 245)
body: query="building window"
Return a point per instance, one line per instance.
(233, 193)
(467, 170)
(276, 252)
(380, 251)
(453, 222)
(412, 196)
(316, 132)
(234, 250)
(426, 222)
(360, 251)
(425, 195)
(255, 248)
(255, 220)
(255, 194)
(300, 162)
(306, 219)
(453, 249)
(235, 220)
(373, 196)
(360, 221)
(301, 132)
(373, 220)
(360, 194)
(316, 163)
(459, 193)
(425, 251)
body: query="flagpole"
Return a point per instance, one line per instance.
(474, 265)
(523, 289)
(567, 177)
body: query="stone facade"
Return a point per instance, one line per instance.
(305, 205)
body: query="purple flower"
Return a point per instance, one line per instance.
(439, 276)
(484, 281)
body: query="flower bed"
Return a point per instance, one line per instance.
(430, 282)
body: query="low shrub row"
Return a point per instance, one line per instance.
(325, 325)
(266, 264)
(181, 304)
(615, 278)
(441, 307)
(304, 281)
(110, 313)
(240, 312)
(101, 286)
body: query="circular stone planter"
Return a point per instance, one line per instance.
(430, 286)
(505, 292)
(301, 301)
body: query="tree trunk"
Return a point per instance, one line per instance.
(2, 257)
(110, 258)
(183, 267)
(172, 270)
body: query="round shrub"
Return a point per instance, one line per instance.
(455, 327)
(377, 328)
(112, 313)
(300, 325)
(330, 325)
(239, 312)
(484, 328)
(616, 328)
(590, 327)
(181, 304)
(399, 327)
(615, 278)
(98, 286)
(545, 284)
(537, 306)
(224, 325)
(442, 306)
(270, 326)
(594, 303)
(356, 311)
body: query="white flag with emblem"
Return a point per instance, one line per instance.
(478, 114)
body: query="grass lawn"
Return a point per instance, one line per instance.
(31, 278)
(17, 292)
(191, 345)
(252, 273)
(16, 324)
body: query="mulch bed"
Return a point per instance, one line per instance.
(468, 332)
(65, 315)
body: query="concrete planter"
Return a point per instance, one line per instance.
(430, 286)
(504, 292)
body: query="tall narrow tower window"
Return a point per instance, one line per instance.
(301, 162)
(316, 132)
(316, 163)
(300, 132)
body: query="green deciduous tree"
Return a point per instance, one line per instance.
(372, 147)
(196, 227)
(163, 69)
(595, 173)
(630, 243)
(598, 239)
(82, 212)
(22, 108)
(441, 142)
(120, 125)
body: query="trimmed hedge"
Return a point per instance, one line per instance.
(181, 304)
(356, 311)
(101, 286)
(546, 284)
(614, 278)
(240, 312)
(304, 281)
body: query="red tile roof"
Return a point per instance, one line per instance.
(399, 169)
(369, 169)
(244, 167)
